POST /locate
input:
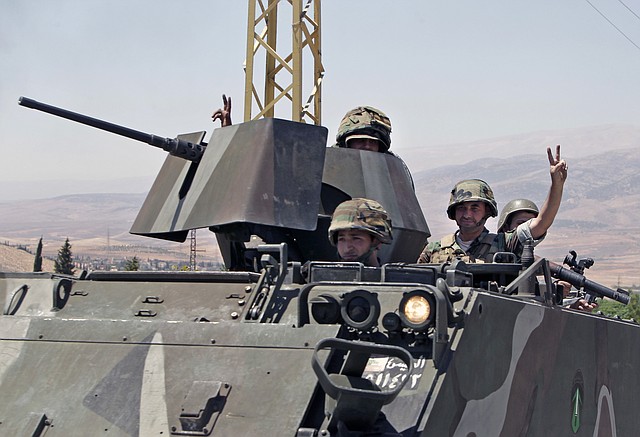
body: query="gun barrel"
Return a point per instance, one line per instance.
(591, 287)
(180, 148)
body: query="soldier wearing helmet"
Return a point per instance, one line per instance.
(472, 203)
(516, 212)
(358, 228)
(365, 128)
(519, 211)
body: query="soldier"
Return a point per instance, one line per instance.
(519, 211)
(516, 212)
(472, 203)
(358, 228)
(365, 128)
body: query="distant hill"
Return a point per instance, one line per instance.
(78, 215)
(599, 216)
(576, 143)
(13, 259)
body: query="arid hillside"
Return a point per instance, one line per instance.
(17, 260)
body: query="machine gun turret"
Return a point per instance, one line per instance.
(176, 147)
(270, 178)
(575, 277)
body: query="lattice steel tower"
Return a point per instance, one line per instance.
(283, 72)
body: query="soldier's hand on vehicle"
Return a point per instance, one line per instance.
(559, 167)
(223, 114)
(583, 305)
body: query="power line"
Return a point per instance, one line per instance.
(614, 26)
(629, 9)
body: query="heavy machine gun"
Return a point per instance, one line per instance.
(270, 178)
(175, 146)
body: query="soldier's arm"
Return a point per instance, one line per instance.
(558, 171)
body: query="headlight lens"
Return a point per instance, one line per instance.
(360, 309)
(417, 310)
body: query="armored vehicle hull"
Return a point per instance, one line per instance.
(237, 354)
(288, 345)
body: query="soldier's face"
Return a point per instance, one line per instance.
(353, 243)
(519, 218)
(470, 215)
(364, 144)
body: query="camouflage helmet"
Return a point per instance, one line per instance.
(364, 214)
(365, 122)
(516, 205)
(470, 190)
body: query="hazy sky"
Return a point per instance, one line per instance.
(444, 71)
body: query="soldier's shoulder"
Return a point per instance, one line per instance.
(435, 244)
(432, 246)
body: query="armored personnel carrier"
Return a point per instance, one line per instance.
(289, 341)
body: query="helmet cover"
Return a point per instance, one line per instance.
(364, 214)
(470, 190)
(365, 122)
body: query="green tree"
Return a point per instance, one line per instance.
(612, 308)
(64, 261)
(132, 265)
(37, 262)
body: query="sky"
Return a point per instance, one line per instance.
(445, 72)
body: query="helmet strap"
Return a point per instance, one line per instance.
(364, 258)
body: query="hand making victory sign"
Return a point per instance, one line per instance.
(223, 114)
(559, 167)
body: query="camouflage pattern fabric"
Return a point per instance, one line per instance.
(364, 214)
(365, 121)
(482, 249)
(471, 190)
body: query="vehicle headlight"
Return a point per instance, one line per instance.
(416, 310)
(360, 309)
(325, 309)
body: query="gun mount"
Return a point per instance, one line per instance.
(269, 178)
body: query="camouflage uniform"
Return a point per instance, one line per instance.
(486, 244)
(482, 248)
(361, 214)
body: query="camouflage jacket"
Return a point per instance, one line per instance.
(482, 248)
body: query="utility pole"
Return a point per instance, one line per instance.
(283, 72)
(192, 252)
(193, 265)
